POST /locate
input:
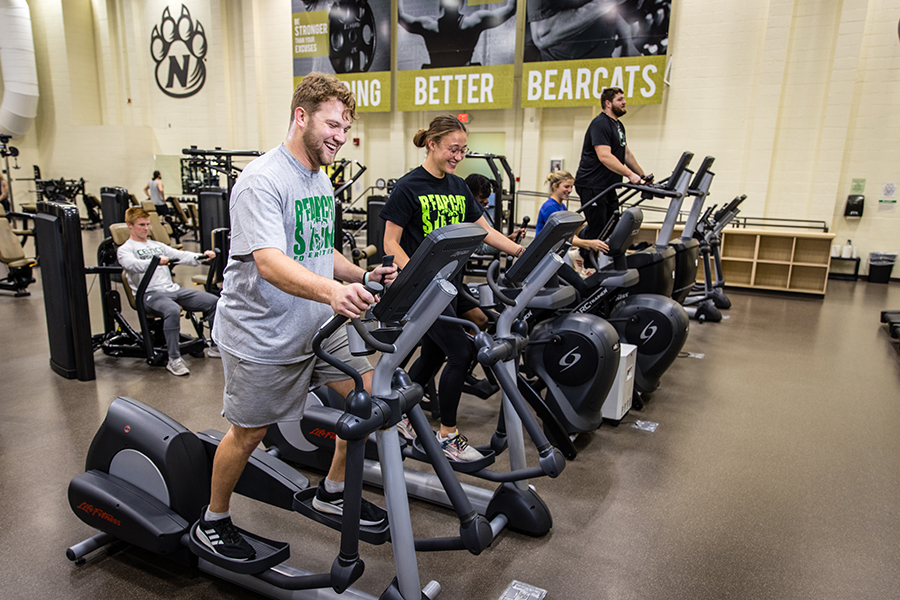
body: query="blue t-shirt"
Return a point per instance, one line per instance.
(549, 207)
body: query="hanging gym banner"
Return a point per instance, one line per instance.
(455, 54)
(350, 39)
(572, 53)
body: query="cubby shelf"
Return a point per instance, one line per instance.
(769, 260)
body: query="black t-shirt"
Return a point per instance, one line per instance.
(421, 203)
(603, 131)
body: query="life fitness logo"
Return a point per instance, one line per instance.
(179, 51)
(99, 513)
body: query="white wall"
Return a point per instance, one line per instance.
(794, 98)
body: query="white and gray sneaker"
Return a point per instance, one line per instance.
(213, 352)
(457, 448)
(405, 429)
(176, 366)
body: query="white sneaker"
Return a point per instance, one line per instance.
(176, 366)
(213, 352)
(457, 448)
(405, 428)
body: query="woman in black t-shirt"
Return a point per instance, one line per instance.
(428, 197)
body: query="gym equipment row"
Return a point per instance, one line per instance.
(149, 490)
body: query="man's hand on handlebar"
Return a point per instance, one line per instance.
(647, 179)
(634, 178)
(206, 256)
(352, 300)
(384, 275)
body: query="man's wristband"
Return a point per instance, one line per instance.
(366, 278)
(520, 251)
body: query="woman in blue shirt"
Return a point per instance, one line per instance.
(561, 184)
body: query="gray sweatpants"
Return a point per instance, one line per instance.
(168, 305)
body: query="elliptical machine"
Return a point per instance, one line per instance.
(514, 504)
(147, 477)
(709, 232)
(575, 355)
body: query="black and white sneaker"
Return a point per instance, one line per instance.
(222, 537)
(333, 504)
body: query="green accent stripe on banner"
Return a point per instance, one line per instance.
(372, 90)
(580, 82)
(457, 88)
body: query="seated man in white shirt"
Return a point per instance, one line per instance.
(163, 296)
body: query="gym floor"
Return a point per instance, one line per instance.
(773, 473)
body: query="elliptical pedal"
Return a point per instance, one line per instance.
(417, 452)
(371, 534)
(269, 553)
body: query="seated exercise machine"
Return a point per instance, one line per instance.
(147, 478)
(514, 504)
(119, 338)
(12, 254)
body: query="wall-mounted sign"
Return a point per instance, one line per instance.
(350, 39)
(453, 55)
(178, 48)
(574, 50)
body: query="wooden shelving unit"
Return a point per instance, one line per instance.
(784, 261)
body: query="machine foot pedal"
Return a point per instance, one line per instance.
(269, 553)
(889, 316)
(417, 451)
(374, 534)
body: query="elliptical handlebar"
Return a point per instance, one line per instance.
(332, 325)
(495, 287)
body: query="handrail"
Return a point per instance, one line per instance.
(744, 222)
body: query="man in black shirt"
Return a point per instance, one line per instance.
(605, 159)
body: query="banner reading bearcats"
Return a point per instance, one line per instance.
(575, 49)
(455, 54)
(349, 38)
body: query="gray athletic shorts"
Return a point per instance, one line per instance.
(259, 394)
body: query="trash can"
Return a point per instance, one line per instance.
(880, 266)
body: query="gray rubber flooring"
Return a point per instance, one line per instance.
(774, 472)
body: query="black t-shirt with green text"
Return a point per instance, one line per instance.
(421, 203)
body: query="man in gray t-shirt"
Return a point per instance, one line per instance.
(279, 288)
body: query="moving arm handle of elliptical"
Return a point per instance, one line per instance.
(332, 325)
(492, 281)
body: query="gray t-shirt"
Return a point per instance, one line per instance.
(155, 195)
(276, 203)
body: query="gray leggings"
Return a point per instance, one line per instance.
(168, 305)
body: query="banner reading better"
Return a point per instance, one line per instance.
(453, 55)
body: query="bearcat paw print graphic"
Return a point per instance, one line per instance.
(179, 51)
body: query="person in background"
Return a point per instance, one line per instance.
(482, 189)
(163, 296)
(4, 193)
(157, 194)
(428, 197)
(561, 183)
(605, 159)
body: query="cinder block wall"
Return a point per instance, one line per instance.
(794, 98)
